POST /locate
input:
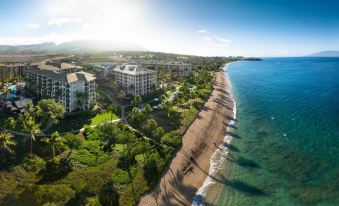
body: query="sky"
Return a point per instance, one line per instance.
(197, 27)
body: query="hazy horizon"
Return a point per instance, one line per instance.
(213, 28)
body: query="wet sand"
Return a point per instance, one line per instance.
(189, 168)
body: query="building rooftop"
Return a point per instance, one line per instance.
(56, 66)
(65, 78)
(133, 69)
(20, 104)
(12, 65)
(164, 62)
(106, 65)
(84, 76)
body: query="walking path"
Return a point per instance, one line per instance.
(48, 135)
(109, 95)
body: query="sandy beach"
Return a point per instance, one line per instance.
(189, 168)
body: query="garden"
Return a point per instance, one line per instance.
(106, 162)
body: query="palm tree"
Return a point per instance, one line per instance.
(167, 107)
(113, 108)
(148, 109)
(150, 126)
(82, 97)
(34, 111)
(121, 95)
(6, 141)
(108, 195)
(30, 126)
(73, 142)
(30, 108)
(158, 133)
(11, 123)
(137, 100)
(55, 142)
(53, 111)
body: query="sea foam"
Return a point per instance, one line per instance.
(218, 157)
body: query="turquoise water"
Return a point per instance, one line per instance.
(13, 94)
(285, 149)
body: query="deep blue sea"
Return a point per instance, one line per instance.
(285, 148)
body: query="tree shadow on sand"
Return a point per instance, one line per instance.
(173, 191)
(222, 91)
(228, 117)
(237, 185)
(232, 126)
(231, 147)
(232, 134)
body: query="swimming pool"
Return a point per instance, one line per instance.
(13, 93)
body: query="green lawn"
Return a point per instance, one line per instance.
(119, 147)
(97, 58)
(188, 115)
(82, 121)
(101, 118)
(140, 158)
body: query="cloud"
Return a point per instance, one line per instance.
(206, 38)
(109, 19)
(63, 20)
(204, 31)
(214, 40)
(33, 25)
(223, 40)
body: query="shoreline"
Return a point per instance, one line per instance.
(190, 166)
(218, 158)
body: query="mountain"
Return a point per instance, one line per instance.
(97, 45)
(73, 46)
(332, 53)
(26, 48)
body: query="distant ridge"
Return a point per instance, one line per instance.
(330, 53)
(73, 46)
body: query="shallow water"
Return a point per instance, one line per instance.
(286, 142)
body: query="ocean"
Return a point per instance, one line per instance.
(285, 142)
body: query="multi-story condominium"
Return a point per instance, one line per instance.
(179, 69)
(8, 71)
(135, 79)
(104, 70)
(74, 90)
(62, 68)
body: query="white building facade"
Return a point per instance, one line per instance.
(135, 79)
(8, 71)
(180, 69)
(72, 90)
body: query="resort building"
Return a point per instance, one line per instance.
(17, 106)
(179, 69)
(135, 79)
(74, 90)
(105, 70)
(8, 71)
(57, 67)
